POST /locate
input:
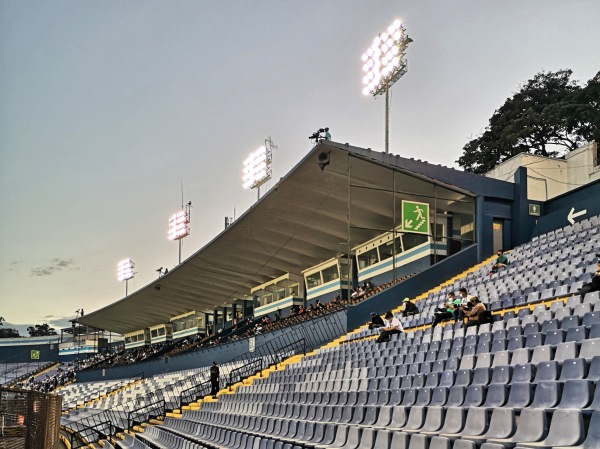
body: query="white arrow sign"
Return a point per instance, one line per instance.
(407, 224)
(573, 215)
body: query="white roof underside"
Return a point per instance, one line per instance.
(300, 222)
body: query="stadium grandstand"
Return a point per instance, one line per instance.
(281, 299)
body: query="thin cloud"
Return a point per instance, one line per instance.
(55, 266)
(13, 266)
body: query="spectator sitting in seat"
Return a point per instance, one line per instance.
(594, 284)
(442, 314)
(392, 326)
(475, 314)
(464, 305)
(455, 304)
(376, 321)
(409, 308)
(501, 262)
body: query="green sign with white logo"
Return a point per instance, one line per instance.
(35, 355)
(415, 217)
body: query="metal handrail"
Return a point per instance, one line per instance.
(160, 405)
(191, 394)
(242, 371)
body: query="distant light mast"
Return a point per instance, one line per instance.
(124, 273)
(384, 64)
(179, 225)
(258, 166)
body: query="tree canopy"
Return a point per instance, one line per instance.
(549, 116)
(7, 332)
(41, 330)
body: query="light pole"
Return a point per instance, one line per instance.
(179, 225)
(125, 272)
(384, 64)
(257, 166)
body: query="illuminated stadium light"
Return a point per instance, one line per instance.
(384, 64)
(257, 168)
(178, 225)
(125, 270)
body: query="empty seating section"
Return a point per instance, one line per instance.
(528, 380)
(366, 392)
(95, 405)
(553, 265)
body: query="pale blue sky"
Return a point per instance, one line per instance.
(106, 106)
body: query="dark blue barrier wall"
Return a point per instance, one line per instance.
(336, 323)
(392, 297)
(21, 353)
(557, 210)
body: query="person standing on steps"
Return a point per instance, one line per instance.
(214, 379)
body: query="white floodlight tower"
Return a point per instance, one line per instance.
(384, 64)
(179, 225)
(125, 272)
(257, 166)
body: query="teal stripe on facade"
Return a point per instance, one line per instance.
(400, 258)
(326, 288)
(186, 332)
(263, 310)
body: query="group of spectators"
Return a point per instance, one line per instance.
(461, 307)
(131, 356)
(299, 314)
(457, 308)
(98, 359)
(49, 382)
(248, 327)
(367, 290)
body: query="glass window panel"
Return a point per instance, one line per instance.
(330, 274)
(313, 280)
(367, 259)
(344, 265)
(398, 244)
(386, 250)
(292, 290)
(412, 240)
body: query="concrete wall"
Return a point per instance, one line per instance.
(547, 177)
(539, 187)
(583, 165)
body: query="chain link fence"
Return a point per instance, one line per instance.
(29, 419)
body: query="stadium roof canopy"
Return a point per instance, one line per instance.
(301, 221)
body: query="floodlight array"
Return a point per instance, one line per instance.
(257, 168)
(178, 225)
(125, 270)
(384, 61)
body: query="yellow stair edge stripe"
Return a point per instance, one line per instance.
(250, 380)
(47, 369)
(65, 441)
